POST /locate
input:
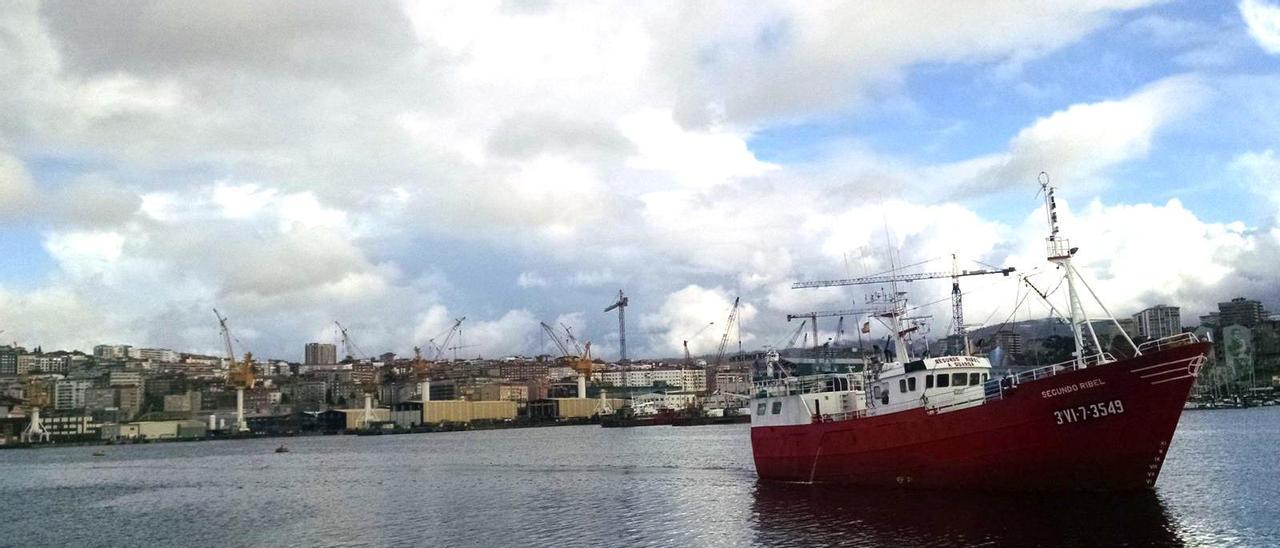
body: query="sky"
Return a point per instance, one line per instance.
(394, 166)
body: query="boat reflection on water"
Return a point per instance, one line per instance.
(815, 515)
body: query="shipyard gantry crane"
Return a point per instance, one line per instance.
(240, 374)
(621, 305)
(957, 307)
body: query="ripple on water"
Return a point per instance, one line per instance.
(587, 486)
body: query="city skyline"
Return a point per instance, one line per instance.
(396, 167)
(1152, 322)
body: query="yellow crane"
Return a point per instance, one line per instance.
(36, 397)
(580, 362)
(240, 375)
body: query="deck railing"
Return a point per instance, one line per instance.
(1168, 342)
(811, 384)
(1063, 367)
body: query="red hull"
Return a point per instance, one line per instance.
(1013, 443)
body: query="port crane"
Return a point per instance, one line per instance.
(370, 384)
(349, 347)
(455, 348)
(240, 374)
(37, 397)
(564, 351)
(688, 359)
(812, 318)
(580, 362)
(729, 324)
(957, 306)
(795, 336)
(442, 347)
(621, 306)
(583, 351)
(568, 332)
(728, 329)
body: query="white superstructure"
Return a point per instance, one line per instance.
(939, 384)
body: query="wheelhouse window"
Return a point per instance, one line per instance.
(928, 382)
(975, 379)
(760, 408)
(958, 379)
(985, 377)
(777, 407)
(943, 381)
(902, 386)
(911, 384)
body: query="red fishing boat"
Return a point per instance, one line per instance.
(1095, 422)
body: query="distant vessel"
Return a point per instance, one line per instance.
(282, 449)
(1095, 422)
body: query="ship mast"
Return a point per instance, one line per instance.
(1060, 253)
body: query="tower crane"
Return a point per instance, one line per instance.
(348, 345)
(957, 308)
(621, 305)
(369, 385)
(240, 375)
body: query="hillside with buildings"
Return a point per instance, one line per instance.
(123, 392)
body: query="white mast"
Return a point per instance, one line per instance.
(1060, 252)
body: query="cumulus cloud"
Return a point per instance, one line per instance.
(1260, 173)
(16, 188)
(531, 279)
(791, 60)
(396, 167)
(1263, 20)
(688, 315)
(1142, 254)
(1086, 140)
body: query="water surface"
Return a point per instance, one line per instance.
(588, 486)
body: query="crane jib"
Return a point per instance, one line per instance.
(899, 278)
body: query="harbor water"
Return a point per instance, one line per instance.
(589, 486)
